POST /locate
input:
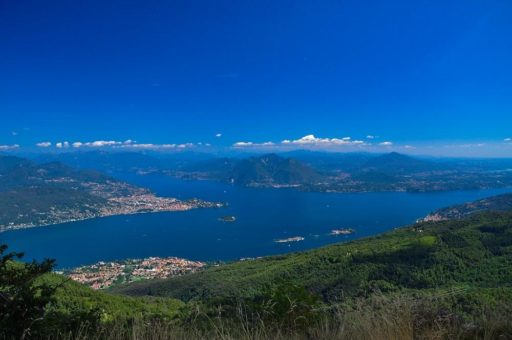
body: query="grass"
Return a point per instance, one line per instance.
(377, 318)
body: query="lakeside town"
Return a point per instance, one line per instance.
(103, 275)
(125, 205)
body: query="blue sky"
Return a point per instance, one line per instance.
(427, 76)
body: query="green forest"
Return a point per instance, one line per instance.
(450, 279)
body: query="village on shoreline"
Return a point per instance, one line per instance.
(104, 275)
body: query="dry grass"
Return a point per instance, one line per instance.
(377, 319)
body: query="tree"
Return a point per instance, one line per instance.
(23, 298)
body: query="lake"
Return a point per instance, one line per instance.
(262, 216)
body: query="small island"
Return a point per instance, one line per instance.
(227, 219)
(342, 231)
(290, 239)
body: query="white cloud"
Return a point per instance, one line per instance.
(102, 143)
(148, 146)
(310, 141)
(128, 144)
(218, 135)
(410, 147)
(254, 145)
(61, 145)
(370, 137)
(243, 144)
(387, 143)
(44, 144)
(466, 146)
(9, 147)
(151, 146)
(508, 140)
(14, 133)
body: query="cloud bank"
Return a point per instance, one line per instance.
(9, 147)
(127, 144)
(44, 144)
(309, 141)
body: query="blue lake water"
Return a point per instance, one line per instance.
(263, 215)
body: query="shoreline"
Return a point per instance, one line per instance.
(32, 226)
(185, 206)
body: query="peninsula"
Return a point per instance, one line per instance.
(33, 195)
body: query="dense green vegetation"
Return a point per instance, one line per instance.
(495, 203)
(476, 252)
(38, 194)
(35, 303)
(442, 280)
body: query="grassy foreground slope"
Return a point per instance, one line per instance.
(74, 297)
(36, 303)
(475, 253)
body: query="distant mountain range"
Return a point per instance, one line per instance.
(344, 173)
(34, 194)
(122, 162)
(307, 170)
(398, 164)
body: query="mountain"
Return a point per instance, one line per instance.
(219, 168)
(496, 203)
(108, 162)
(352, 172)
(304, 170)
(33, 194)
(331, 161)
(18, 172)
(114, 162)
(266, 170)
(272, 170)
(397, 164)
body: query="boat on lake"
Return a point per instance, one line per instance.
(227, 219)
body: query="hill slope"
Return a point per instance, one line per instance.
(266, 170)
(460, 211)
(397, 164)
(34, 194)
(272, 170)
(476, 252)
